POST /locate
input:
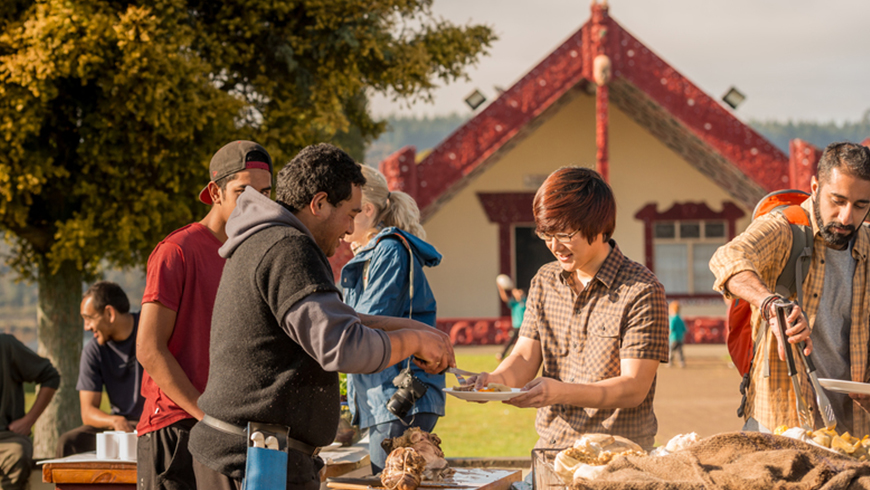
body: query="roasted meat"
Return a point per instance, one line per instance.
(426, 445)
(403, 469)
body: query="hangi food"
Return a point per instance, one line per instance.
(427, 446)
(490, 388)
(590, 454)
(844, 443)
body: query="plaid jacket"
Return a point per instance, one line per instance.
(764, 248)
(621, 314)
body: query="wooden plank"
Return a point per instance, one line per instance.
(465, 478)
(95, 486)
(503, 483)
(338, 469)
(119, 473)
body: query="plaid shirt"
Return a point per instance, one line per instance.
(763, 249)
(621, 314)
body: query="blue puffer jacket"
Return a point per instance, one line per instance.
(387, 293)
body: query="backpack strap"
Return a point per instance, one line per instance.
(794, 271)
(410, 274)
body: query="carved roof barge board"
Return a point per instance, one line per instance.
(651, 92)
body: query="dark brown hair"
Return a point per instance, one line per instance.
(849, 158)
(575, 198)
(318, 168)
(105, 293)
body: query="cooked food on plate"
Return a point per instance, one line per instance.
(491, 387)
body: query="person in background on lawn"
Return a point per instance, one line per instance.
(184, 272)
(596, 322)
(677, 334)
(108, 360)
(19, 365)
(517, 304)
(385, 277)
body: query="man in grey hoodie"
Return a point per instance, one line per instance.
(280, 331)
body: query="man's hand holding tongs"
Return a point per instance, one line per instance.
(797, 331)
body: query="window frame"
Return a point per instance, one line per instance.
(680, 212)
(690, 243)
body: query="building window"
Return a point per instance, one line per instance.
(679, 243)
(681, 252)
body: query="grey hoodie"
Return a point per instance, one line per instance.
(280, 333)
(328, 329)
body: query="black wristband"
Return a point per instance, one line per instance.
(765, 306)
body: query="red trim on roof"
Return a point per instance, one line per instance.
(803, 163)
(741, 145)
(452, 162)
(475, 141)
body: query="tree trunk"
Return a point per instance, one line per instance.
(60, 341)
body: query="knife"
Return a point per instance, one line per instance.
(825, 408)
(782, 309)
(459, 375)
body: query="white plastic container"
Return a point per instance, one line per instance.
(107, 446)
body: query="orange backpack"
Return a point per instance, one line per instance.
(738, 329)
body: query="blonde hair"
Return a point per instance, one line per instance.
(394, 208)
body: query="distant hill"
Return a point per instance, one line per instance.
(426, 133)
(819, 134)
(423, 133)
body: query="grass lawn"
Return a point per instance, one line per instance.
(30, 397)
(488, 429)
(469, 429)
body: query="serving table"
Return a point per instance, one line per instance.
(84, 471)
(463, 479)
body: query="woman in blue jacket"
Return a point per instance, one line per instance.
(389, 255)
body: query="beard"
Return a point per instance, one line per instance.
(832, 238)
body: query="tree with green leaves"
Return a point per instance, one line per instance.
(110, 111)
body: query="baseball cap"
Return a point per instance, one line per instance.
(235, 157)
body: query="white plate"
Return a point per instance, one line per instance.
(840, 386)
(483, 396)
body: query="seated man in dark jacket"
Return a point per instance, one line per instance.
(280, 331)
(19, 365)
(108, 360)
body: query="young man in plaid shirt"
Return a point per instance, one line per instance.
(836, 303)
(596, 320)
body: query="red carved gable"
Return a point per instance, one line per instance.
(803, 163)
(644, 86)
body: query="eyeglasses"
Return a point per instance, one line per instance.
(561, 237)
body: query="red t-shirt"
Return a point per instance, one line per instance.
(184, 272)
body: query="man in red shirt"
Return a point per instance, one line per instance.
(184, 271)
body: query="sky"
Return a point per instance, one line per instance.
(793, 59)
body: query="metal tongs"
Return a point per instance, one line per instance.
(825, 408)
(783, 308)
